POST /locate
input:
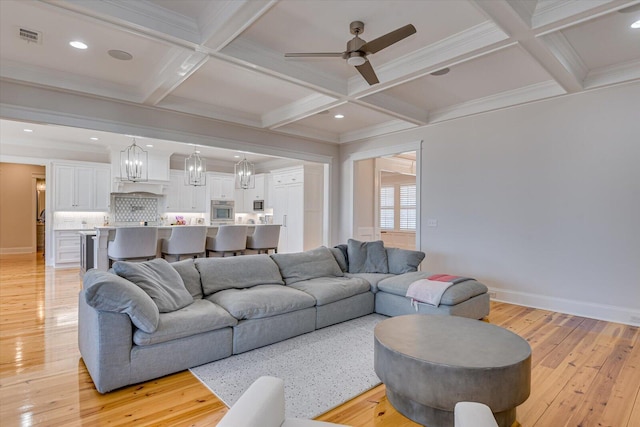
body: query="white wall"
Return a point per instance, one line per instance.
(541, 202)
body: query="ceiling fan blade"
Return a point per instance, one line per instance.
(314, 54)
(367, 72)
(388, 39)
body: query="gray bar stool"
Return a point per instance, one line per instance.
(264, 238)
(230, 238)
(133, 243)
(185, 241)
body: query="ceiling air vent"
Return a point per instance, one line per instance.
(30, 35)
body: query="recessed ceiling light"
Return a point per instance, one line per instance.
(150, 145)
(78, 44)
(339, 116)
(636, 24)
(93, 138)
(236, 156)
(28, 130)
(120, 54)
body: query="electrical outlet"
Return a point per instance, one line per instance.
(492, 294)
(432, 222)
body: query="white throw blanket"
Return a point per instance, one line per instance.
(427, 291)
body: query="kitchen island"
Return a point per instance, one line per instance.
(107, 233)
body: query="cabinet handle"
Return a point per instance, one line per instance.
(284, 220)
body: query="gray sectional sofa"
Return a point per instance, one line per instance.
(145, 320)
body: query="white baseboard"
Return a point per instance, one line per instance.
(610, 313)
(24, 250)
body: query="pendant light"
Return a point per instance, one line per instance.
(245, 174)
(195, 170)
(134, 164)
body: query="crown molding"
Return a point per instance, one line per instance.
(189, 106)
(505, 99)
(300, 109)
(140, 15)
(395, 107)
(618, 73)
(297, 129)
(376, 130)
(525, 9)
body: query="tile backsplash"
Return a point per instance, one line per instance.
(134, 208)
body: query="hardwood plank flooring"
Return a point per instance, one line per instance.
(585, 372)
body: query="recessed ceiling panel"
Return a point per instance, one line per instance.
(226, 85)
(504, 70)
(59, 27)
(356, 117)
(606, 40)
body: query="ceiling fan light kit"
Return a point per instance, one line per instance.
(358, 49)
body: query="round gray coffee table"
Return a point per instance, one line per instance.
(428, 363)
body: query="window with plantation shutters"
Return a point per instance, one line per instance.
(407, 207)
(387, 207)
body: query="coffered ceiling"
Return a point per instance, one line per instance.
(225, 59)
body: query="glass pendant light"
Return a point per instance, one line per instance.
(245, 174)
(134, 163)
(195, 170)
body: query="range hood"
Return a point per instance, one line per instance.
(154, 187)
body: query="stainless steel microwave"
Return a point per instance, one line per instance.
(258, 205)
(222, 210)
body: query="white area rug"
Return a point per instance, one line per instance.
(321, 369)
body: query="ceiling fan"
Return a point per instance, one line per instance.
(358, 49)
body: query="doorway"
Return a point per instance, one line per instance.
(385, 204)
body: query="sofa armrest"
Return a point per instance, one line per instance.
(105, 340)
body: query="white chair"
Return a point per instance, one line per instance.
(473, 414)
(133, 243)
(184, 241)
(262, 404)
(264, 238)
(230, 238)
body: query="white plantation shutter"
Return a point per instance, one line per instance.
(387, 207)
(407, 207)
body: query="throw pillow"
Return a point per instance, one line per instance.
(340, 258)
(108, 292)
(159, 280)
(190, 276)
(403, 260)
(318, 262)
(367, 257)
(237, 272)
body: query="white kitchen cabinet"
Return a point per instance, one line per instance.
(67, 248)
(222, 186)
(79, 187)
(297, 206)
(245, 198)
(185, 198)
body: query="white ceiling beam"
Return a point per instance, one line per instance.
(395, 107)
(505, 16)
(298, 110)
(553, 15)
(222, 21)
(613, 74)
(179, 64)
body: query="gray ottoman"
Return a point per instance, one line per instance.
(428, 363)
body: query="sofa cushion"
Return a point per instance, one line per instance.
(372, 278)
(261, 301)
(108, 292)
(456, 294)
(217, 274)
(190, 276)
(403, 261)
(159, 280)
(201, 316)
(318, 262)
(367, 257)
(326, 290)
(343, 260)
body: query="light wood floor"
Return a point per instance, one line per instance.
(585, 372)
